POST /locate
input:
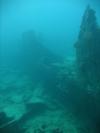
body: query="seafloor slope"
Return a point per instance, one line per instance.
(26, 108)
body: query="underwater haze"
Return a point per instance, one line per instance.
(57, 21)
(49, 66)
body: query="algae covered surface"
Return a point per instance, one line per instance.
(30, 108)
